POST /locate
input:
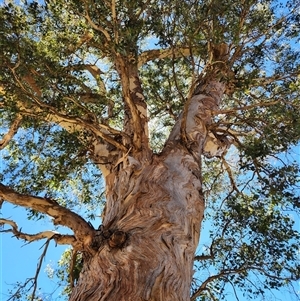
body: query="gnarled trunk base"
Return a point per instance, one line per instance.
(159, 207)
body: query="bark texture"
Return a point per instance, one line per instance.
(159, 207)
(151, 225)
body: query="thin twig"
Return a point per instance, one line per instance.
(39, 268)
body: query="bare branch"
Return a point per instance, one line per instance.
(61, 215)
(11, 132)
(59, 239)
(234, 290)
(249, 107)
(153, 54)
(230, 174)
(223, 273)
(203, 257)
(38, 269)
(17, 293)
(226, 272)
(34, 279)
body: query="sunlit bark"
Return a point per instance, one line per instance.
(151, 224)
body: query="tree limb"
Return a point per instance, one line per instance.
(95, 26)
(223, 273)
(38, 269)
(62, 216)
(226, 272)
(94, 70)
(230, 174)
(244, 108)
(59, 239)
(135, 107)
(34, 280)
(153, 54)
(11, 132)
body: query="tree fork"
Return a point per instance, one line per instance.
(155, 210)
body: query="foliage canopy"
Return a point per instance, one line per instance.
(62, 94)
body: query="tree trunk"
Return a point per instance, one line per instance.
(150, 231)
(151, 225)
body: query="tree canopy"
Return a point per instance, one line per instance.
(67, 111)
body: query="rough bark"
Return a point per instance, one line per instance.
(159, 208)
(151, 224)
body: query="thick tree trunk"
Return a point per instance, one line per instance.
(150, 232)
(151, 225)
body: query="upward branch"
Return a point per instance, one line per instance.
(136, 121)
(11, 132)
(192, 127)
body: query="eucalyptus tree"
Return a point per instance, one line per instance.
(177, 110)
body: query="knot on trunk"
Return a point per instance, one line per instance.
(114, 238)
(117, 239)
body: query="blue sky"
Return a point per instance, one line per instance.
(18, 259)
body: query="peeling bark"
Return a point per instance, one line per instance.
(151, 224)
(136, 121)
(160, 208)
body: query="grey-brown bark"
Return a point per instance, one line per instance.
(160, 207)
(151, 225)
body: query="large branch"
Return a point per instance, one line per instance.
(61, 216)
(135, 107)
(192, 127)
